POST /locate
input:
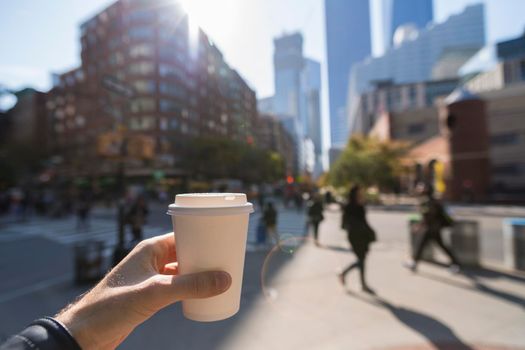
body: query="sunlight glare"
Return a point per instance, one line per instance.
(216, 18)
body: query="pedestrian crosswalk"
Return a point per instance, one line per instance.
(65, 230)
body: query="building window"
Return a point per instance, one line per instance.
(142, 16)
(81, 121)
(163, 124)
(141, 50)
(522, 69)
(167, 71)
(416, 128)
(167, 53)
(169, 106)
(79, 75)
(144, 123)
(142, 68)
(59, 114)
(114, 42)
(145, 86)
(116, 58)
(174, 123)
(92, 39)
(141, 33)
(59, 128)
(507, 139)
(412, 96)
(171, 89)
(143, 105)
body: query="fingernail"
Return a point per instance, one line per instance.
(223, 280)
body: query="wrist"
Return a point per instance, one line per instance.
(76, 325)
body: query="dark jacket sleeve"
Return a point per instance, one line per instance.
(43, 334)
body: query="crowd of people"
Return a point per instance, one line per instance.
(20, 204)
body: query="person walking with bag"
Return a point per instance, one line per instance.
(360, 234)
(435, 218)
(315, 216)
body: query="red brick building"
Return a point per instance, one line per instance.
(145, 75)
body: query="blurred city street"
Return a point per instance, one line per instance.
(291, 296)
(380, 142)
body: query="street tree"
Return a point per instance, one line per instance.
(368, 161)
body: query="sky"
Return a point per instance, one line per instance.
(42, 36)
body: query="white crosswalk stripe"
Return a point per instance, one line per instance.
(65, 230)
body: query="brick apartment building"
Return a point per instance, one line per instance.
(147, 83)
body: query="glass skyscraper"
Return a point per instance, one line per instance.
(348, 41)
(288, 64)
(398, 12)
(297, 99)
(417, 12)
(414, 60)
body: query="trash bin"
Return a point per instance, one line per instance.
(89, 261)
(465, 241)
(416, 235)
(514, 243)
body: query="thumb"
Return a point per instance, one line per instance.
(168, 288)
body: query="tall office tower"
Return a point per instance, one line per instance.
(297, 100)
(416, 12)
(396, 13)
(288, 64)
(348, 40)
(311, 116)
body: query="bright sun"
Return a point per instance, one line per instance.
(216, 17)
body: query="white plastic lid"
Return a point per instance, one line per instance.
(210, 204)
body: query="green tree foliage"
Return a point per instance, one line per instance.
(368, 162)
(215, 158)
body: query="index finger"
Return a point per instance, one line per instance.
(164, 248)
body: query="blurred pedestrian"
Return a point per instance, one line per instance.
(270, 221)
(360, 234)
(137, 216)
(83, 210)
(328, 197)
(4, 202)
(17, 203)
(261, 197)
(261, 233)
(315, 215)
(298, 200)
(435, 218)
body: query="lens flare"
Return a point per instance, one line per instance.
(290, 286)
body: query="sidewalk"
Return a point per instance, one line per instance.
(304, 306)
(292, 300)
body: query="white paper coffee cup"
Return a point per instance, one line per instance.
(210, 234)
